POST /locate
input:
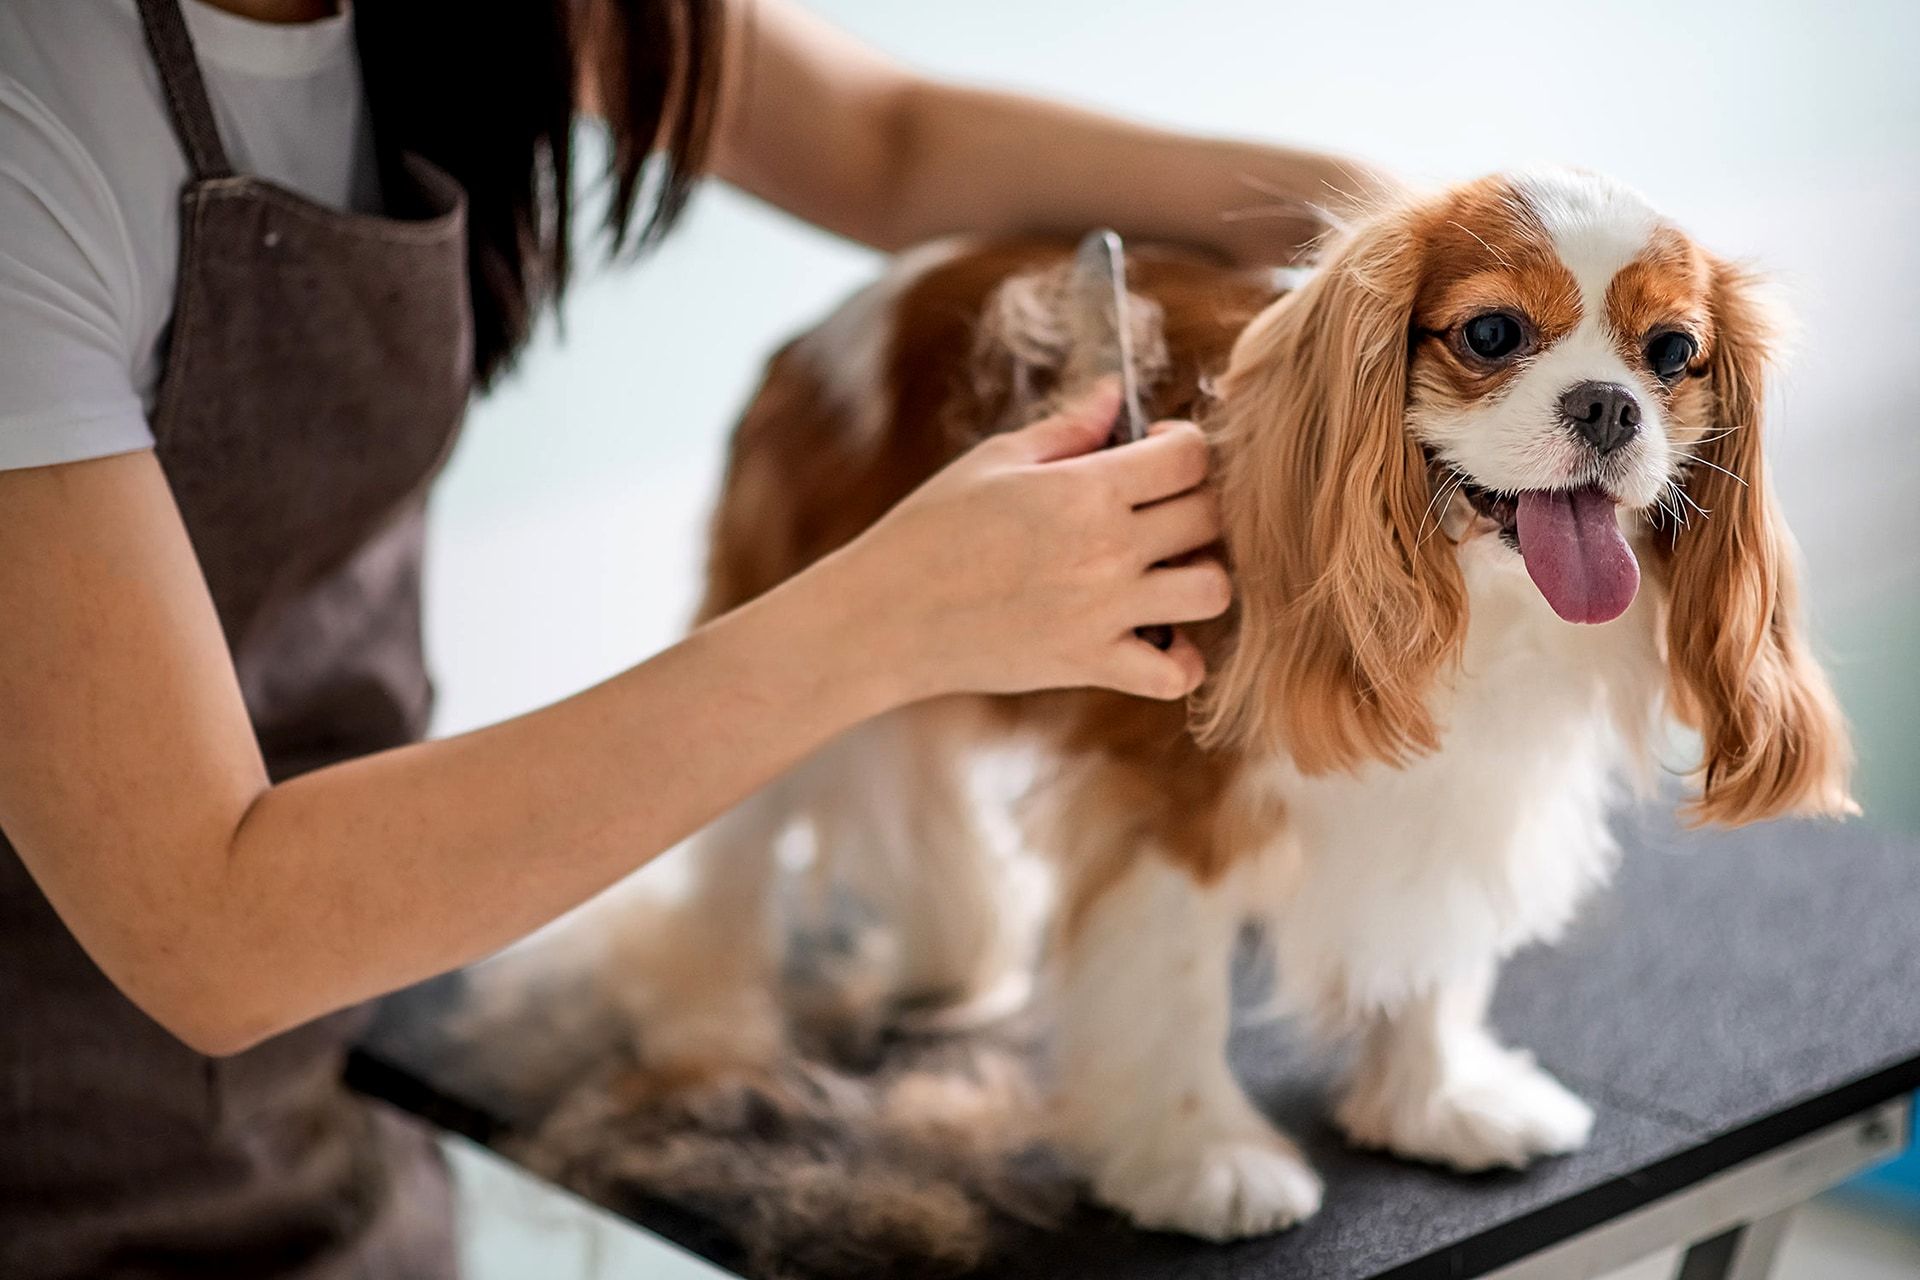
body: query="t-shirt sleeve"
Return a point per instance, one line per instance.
(67, 298)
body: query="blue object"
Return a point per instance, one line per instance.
(1895, 1184)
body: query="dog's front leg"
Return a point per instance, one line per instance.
(697, 985)
(1148, 1105)
(1433, 1083)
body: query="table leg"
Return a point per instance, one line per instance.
(1744, 1253)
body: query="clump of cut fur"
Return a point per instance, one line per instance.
(1023, 363)
(927, 1166)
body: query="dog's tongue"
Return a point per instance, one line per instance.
(1575, 553)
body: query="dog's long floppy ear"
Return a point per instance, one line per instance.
(1772, 736)
(1348, 610)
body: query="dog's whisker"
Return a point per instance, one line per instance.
(1452, 485)
(1439, 493)
(1672, 488)
(1738, 479)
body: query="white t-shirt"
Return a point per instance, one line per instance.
(90, 179)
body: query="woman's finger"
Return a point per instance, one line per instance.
(1184, 593)
(1171, 460)
(1178, 525)
(1080, 427)
(1139, 668)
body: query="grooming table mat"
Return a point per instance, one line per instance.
(1730, 993)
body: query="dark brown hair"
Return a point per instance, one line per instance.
(486, 89)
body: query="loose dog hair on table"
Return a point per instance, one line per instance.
(1496, 503)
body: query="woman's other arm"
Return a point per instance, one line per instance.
(817, 123)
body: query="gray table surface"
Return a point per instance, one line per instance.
(1730, 993)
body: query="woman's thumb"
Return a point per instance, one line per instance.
(1081, 427)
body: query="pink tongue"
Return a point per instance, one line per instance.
(1575, 554)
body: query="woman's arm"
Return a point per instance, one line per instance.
(230, 909)
(824, 127)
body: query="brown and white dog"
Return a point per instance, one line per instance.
(1488, 417)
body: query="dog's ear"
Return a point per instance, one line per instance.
(1772, 737)
(1347, 613)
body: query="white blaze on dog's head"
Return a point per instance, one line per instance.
(1540, 359)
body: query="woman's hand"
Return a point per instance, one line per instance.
(1028, 562)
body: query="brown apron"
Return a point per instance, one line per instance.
(317, 370)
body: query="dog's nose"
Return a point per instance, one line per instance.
(1604, 414)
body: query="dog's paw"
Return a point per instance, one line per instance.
(970, 1011)
(1502, 1116)
(1225, 1189)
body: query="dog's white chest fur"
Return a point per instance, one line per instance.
(1399, 879)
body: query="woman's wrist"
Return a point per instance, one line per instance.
(830, 640)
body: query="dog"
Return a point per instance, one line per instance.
(1497, 509)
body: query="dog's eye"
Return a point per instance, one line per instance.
(1669, 354)
(1493, 336)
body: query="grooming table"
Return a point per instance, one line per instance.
(1741, 1009)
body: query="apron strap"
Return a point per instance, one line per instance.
(187, 103)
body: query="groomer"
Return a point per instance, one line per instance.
(254, 258)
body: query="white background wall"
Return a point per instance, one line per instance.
(568, 530)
